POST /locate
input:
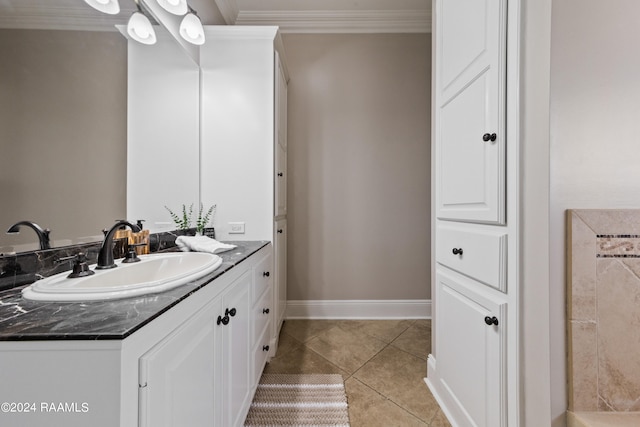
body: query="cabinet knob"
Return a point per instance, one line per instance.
(280, 174)
(265, 274)
(265, 311)
(231, 312)
(265, 348)
(280, 230)
(457, 251)
(489, 137)
(224, 320)
(491, 320)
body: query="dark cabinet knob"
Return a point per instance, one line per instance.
(491, 320)
(265, 274)
(280, 230)
(280, 174)
(224, 320)
(265, 311)
(457, 251)
(231, 312)
(265, 348)
(489, 137)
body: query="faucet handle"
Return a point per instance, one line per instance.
(80, 266)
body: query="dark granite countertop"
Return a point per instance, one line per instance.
(25, 320)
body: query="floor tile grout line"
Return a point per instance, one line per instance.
(299, 345)
(379, 392)
(390, 400)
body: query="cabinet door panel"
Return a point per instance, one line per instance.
(471, 359)
(280, 285)
(177, 376)
(470, 98)
(281, 104)
(237, 351)
(281, 181)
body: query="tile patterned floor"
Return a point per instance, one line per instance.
(383, 362)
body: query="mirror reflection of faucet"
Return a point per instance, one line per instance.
(43, 234)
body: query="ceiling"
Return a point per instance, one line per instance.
(299, 16)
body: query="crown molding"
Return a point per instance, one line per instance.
(346, 21)
(229, 10)
(52, 17)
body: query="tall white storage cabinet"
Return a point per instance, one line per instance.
(473, 370)
(243, 151)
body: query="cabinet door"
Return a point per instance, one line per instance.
(281, 103)
(471, 350)
(281, 181)
(280, 294)
(470, 116)
(176, 377)
(236, 349)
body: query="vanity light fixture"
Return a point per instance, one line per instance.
(177, 7)
(112, 7)
(140, 29)
(191, 28)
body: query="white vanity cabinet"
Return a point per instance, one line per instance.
(243, 155)
(194, 365)
(473, 370)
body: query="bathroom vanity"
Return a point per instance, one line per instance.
(191, 356)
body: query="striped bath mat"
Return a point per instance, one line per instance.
(299, 400)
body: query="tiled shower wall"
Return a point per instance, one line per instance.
(603, 307)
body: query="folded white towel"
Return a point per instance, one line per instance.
(202, 244)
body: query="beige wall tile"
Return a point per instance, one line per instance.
(618, 319)
(583, 362)
(581, 270)
(611, 221)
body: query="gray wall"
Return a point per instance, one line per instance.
(595, 133)
(359, 166)
(63, 130)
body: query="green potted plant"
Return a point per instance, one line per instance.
(182, 222)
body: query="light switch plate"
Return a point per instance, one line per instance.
(236, 228)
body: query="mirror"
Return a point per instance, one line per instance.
(65, 117)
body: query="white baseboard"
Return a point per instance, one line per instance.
(358, 309)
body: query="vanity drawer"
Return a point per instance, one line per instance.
(262, 277)
(476, 252)
(260, 354)
(262, 313)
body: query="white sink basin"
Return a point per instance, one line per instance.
(153, 273)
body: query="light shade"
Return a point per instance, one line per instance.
(177, 7)
(112, 7)
(139, 28)
(191, 29)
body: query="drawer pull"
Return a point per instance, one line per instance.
(265, 311)
(457, 251)
(489, 137)
(265, 348)
(491, 320)
(280, 174)
(224, 320)
(265, 274)
(231, 312)
(280, 231)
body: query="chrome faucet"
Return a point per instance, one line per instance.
(105, 257)
(43, 234)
